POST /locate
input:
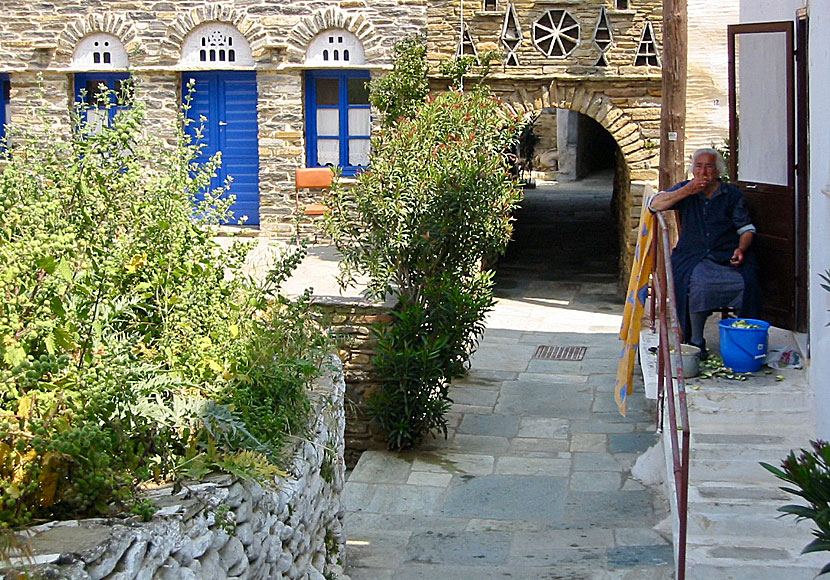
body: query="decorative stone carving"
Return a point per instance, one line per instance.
(335, 47)
(556, 33)
(216, 45)
(603, 37)
(100, 51)
(647, 54)
(466, 46)
(511, 35)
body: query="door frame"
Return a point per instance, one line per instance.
(791, 316)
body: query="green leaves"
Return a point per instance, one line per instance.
(125, 348)
(809, 475)
(435, 203)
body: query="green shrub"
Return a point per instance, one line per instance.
(809, 472)
(435, 202)
(132, 346)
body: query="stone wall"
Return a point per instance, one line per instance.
(40, 37)
(222, 527)
(351, 322)
(485, 29)
(707, 83)
(623, 97)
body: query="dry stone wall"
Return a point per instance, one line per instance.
(351, 322)
(219, 528)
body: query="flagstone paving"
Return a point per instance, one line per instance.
(533, 480)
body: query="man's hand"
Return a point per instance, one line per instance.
(698, 184)
(737, 257)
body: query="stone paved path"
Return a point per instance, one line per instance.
(534, 480)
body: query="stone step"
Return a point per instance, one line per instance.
(731, 493)
(711, 568)
(731, 470)
(725, 528)
(768, 454)
(793, 424)
(751, 401)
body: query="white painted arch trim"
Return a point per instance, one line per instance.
(100, 51)
(216, 45)
(335, 47)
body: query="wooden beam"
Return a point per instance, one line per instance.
(673, 112)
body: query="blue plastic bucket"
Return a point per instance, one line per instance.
(743, 349)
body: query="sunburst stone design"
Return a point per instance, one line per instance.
(603, 37)
(511, 36)
(556, 33)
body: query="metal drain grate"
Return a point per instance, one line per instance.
(546, 352)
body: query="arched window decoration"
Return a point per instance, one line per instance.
(647, 50)
(556, 33)
(100, 51)
(335, 48)
(216, 45)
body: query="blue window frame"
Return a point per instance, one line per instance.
(338, 119)
(5, 95)
(101, 107)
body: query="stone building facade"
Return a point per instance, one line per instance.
(281, 82)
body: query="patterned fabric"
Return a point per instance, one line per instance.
(635, 301)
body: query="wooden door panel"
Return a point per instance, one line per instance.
(762, 142)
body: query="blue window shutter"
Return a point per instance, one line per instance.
(343, 107)
(5, 90)
(92, 80)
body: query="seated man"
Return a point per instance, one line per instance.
(712, 264)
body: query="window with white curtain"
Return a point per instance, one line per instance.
(338, 119)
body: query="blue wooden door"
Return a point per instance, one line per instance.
(228, 100)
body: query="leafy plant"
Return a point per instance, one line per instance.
(132, 346)
(809, 472)
(398, 94)
(459, 67)
(435, 202)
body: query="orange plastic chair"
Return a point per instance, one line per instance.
(312, 178)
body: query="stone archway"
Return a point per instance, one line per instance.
(630, 114)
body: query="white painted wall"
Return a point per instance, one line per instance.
(769, 10)
(707, 87)
(819, 257)
(819, 372)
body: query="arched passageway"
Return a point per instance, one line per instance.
(567, 227)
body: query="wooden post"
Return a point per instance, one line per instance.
(673, 112)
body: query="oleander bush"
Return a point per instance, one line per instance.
(132, 347)
(809, 474)
(435, 203)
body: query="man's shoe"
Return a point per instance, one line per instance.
(704, 354)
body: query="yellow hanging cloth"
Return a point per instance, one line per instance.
(635, 301)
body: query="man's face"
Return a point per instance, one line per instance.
(706, 168)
